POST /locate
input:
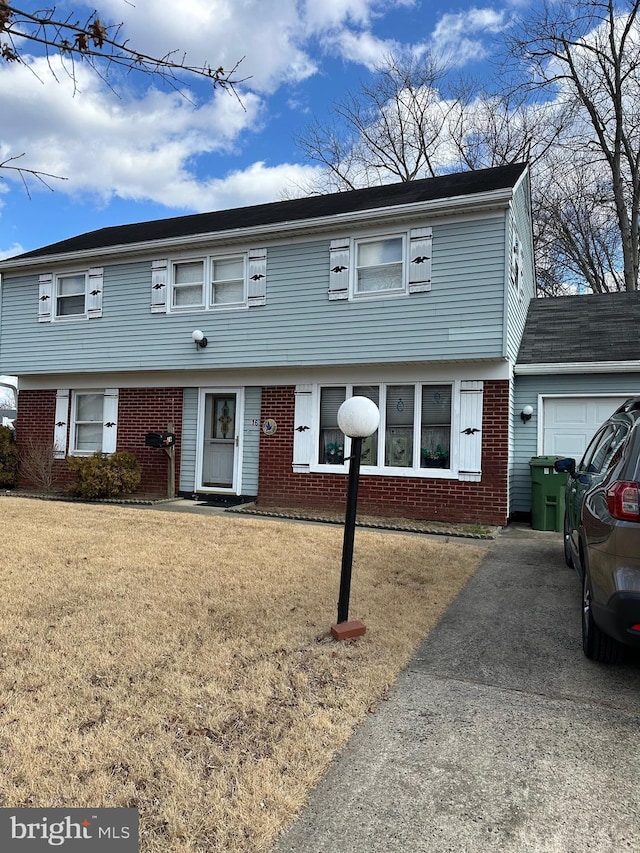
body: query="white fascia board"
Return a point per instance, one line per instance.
(577, 367)
(355, 374)
(477, 203)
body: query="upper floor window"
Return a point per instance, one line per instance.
(74, 295)
(210, 282)
(382, 265)
(71, 293)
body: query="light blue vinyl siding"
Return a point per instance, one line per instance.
(527, 389)
(189, 440)
(518, 303)
(462, 316)
(251, 441)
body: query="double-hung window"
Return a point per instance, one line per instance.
(73, 295)
(379, 266)
(209, 283)
(86, 422)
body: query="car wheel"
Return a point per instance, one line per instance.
(596, 644)
(568, 556)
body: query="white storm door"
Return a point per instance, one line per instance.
(220, 418)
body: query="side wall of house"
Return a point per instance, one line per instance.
(140, 410)
(433, 499)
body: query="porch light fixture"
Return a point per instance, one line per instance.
(199, 339)
(358, 418)
(526, 413)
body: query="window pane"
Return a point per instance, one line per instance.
(435, 434)
(380, 252)
(380, 278)
(227, 269)
(331, 437)
(89, 437)
(189, 273)
(227, 292)
(89, 407)
(187, 296)
(68, 306)
(400, 423)
(71, 285)
(370, 444)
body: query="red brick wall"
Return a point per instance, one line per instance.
(406, 497)
(140, 410)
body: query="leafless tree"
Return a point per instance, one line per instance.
(70, 40)
(585, 55)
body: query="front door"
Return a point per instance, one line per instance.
(220, 440)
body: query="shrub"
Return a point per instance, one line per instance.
(37, 463)
(8, 458)
(102, 476)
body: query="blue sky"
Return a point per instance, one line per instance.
(151, 153)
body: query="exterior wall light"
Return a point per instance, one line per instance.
(526, 413)
(199, 339)
(358, 418)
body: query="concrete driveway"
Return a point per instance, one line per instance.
(500, 735)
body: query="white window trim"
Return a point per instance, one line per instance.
(395, 292)
(207, 303)
(452, 473)
(93, 291)
(109, 421)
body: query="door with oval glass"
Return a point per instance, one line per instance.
(220, 440)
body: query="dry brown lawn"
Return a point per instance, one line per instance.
(183, 664)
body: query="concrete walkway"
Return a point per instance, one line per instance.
(500, 735)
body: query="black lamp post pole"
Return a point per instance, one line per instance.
(349, 530)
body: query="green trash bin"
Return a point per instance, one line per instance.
(547, 494)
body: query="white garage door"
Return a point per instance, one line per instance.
(569, 423)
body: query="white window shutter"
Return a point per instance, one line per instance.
(94, 293)
(420, 245)
(159, 286)
(110, 420)
(303, 431)
(61, 423)
(339, 269)
(45, 298)
(257, 277)
(470, 456)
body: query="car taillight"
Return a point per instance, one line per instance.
(623, 500)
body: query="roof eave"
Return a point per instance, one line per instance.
(479, 202)
(555, 368)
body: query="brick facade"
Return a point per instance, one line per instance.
(140, 410)
(406, 497)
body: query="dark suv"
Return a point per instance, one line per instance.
(602, 533)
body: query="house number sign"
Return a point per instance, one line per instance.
(269, 427)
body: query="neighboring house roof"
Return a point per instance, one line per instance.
(296, 210)
(588, 329)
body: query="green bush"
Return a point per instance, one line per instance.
(8, 458)
(102, 476)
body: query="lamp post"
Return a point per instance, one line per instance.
(358, 418)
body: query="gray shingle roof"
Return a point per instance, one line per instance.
(589, 328)
(387, 195)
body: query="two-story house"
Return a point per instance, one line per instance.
(245, 330)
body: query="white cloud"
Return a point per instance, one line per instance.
(363, 48)
(458, 36)
(16, 249)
